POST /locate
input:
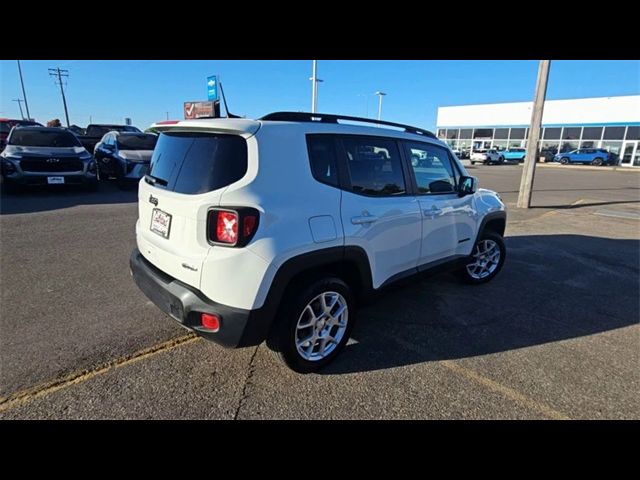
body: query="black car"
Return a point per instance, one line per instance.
(95, 131)
(124, 156)
(46, 156)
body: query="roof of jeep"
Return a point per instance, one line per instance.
(251, 126)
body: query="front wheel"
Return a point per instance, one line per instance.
(564, 160)
(314, 325)
(486, 260)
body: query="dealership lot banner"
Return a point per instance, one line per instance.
(199, 110)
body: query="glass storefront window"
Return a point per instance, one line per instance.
(552, 133)
(466, 133)
(518, 133)
(614, 133)
(589, 144)
(500, 144)
(501, 133)
(516, 143)
(442, 133)
(633, 133)
(568, 146)
(613, 148)
(571, 133)
(483, 133)
(452, 133)
(592, 133)
(551, 147)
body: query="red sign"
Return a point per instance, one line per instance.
(199, 110)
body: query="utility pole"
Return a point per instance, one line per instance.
(314, 87)
(19, 100)
(24, 93)
(529, 170)
(57, 72)
(167, 115)
(380, 95)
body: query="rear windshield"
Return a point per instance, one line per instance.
(137, 142)
(100, 130)
(198, 162)
(43, 138)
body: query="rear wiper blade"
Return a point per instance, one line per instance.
(153, 180)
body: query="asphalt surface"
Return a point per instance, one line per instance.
(555, 335)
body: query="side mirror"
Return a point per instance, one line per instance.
(467, 186)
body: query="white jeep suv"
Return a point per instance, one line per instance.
(487, 157)
(276, 229)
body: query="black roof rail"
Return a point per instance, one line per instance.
(331, 118)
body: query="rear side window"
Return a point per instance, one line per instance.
(195, 163)
(375, 167)
(323, 159)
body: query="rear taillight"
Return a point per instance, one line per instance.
(232, 227)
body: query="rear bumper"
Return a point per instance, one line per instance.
(238, 327)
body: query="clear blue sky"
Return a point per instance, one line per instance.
(145, 90)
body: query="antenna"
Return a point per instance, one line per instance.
(224, 99)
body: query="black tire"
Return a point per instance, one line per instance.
(564, 160)
(464, 274)
(597, 161)
(282, 338)
(472, 162)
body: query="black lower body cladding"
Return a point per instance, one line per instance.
(238, 327)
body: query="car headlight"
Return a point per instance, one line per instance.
(86, 156)
(7, 167)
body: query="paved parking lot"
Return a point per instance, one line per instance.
(555, 335)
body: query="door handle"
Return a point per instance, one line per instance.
(363, 220)
(434, 212)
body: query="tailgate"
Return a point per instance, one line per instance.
(182, 249)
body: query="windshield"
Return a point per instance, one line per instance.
(43, 138)
(137, 142)
(100, 130)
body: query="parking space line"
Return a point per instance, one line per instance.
(514, 395)
(22, 396)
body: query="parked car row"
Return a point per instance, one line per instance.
(37, 155)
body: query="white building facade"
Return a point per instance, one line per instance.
(612, 123)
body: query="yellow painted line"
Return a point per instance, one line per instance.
(514, 395)
(22, 396)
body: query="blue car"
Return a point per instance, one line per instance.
(585, 156)
(514, 154)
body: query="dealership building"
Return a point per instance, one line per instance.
(612, 123)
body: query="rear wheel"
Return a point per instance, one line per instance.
(313, 325)
(564, 160)
(597, 162)
(486, 260)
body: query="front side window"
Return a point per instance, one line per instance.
(432, 168)
(374, 165)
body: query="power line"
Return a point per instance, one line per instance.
(58, 72)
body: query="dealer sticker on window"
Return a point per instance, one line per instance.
(160, 222)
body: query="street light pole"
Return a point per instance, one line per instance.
(314, 87)
(24, 93)
(529, 170)
(19, 100)
(380, 95)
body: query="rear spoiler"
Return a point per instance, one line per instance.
(234, 126)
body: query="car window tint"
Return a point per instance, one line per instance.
(374, 166)
(322, 158)
(432, 168)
